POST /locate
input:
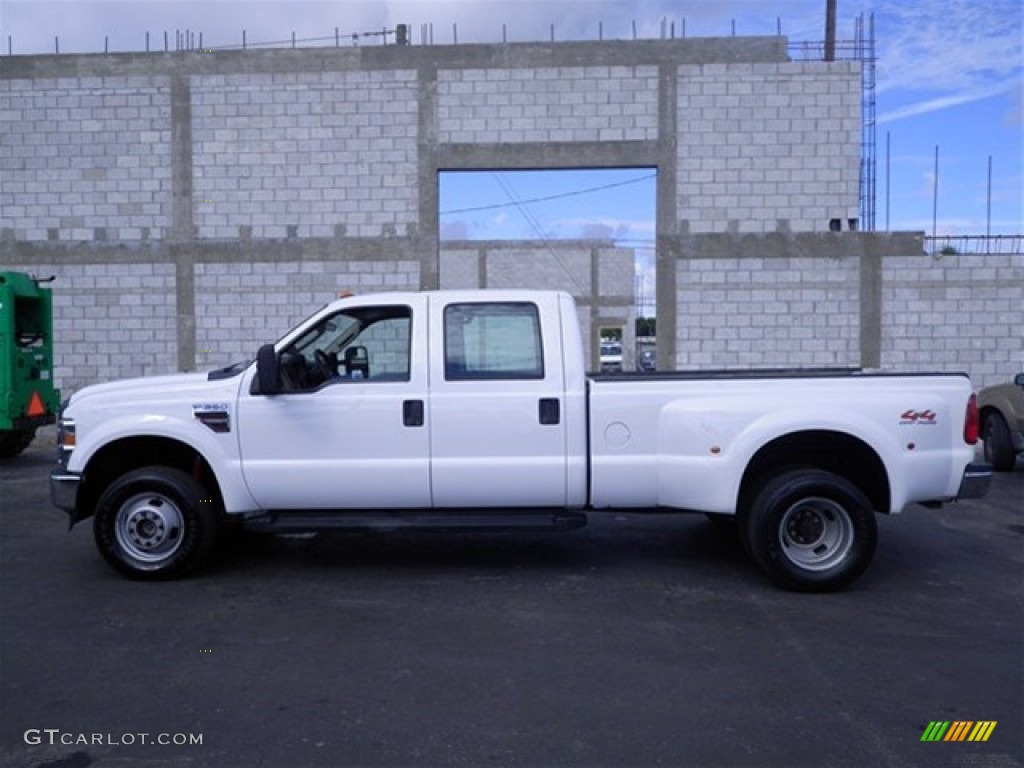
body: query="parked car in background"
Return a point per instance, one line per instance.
(611, 356)
(646, 356)
(1002, 422)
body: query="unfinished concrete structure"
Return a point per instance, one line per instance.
(194, 204)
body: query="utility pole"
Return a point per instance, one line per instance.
(935, 195)
(988, 206)
(830, 30)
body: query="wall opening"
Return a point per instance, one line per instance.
(589, 231)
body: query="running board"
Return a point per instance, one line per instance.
(292, 521)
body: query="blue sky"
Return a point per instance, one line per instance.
(950, 73)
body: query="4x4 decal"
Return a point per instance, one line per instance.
(910, 416)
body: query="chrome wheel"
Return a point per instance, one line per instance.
(149, 527)
(816, 533)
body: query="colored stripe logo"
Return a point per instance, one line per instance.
(958, 730)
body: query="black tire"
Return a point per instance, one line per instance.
(15, 441)
(810, 530)
(998, 446)
(156, 523)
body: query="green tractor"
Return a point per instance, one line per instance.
(28, 399)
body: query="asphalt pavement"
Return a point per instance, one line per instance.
(637, 641)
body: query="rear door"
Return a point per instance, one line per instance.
(498, 433)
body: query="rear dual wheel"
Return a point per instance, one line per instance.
(810, 530)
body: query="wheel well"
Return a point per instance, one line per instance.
(843, 454)
(121, 456)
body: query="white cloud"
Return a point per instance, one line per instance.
(959, 225)
(597, 231)
(954, 99)
(962, 45)
(607, 227)
(454, 230)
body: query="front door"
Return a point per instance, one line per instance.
(349, 431)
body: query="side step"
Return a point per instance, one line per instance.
(498, 520)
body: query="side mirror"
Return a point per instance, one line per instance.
(1019, 379)
(268, 370)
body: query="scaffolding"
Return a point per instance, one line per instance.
(864, 44)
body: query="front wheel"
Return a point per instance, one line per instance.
(810, 530)
(155, 523)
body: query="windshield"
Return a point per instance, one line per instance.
(611, 348)
(328, 336)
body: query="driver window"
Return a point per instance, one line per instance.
(361, 344)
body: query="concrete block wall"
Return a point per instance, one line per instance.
(241, 306)
(548, 104)
(460, 266)
(85, 158)
(766, 146)
(956, 312)
(765, 312)
(566, 269)
(330, 157)
(865, 301)
(310, 154)
(598, 275)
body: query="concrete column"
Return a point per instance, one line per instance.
(871, 305)
(481, 267)
(594, 343)
(183, 230)
(667, 215)
(875, 247)
(429, 229)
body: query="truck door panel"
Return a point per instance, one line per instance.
(497, 438)
(342, 437)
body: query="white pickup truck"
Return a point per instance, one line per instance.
(472, 410)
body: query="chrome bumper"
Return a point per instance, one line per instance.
(64, 489)
(975, 482)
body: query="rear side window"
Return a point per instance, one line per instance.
(498, 340)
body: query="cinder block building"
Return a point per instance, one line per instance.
(195, 204)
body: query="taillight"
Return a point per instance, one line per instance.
(972, 425)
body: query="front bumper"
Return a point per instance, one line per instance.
(64, 489)
(975, 482)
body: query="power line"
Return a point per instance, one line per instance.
(550, 197)
(506, 187)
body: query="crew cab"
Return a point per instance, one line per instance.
(472, 410)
